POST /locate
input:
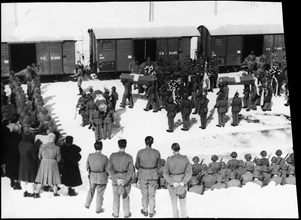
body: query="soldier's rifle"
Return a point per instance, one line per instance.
(282, 159)
(253, 162)
(202, 161)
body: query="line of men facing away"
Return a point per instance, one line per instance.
(176, 174)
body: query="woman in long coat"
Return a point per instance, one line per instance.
(12, 156)
(48, 173)
(70, 171)
(28, 163)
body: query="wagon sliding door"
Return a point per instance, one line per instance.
(162, 50)
(4, 60)
(68, 57)
(124, 54)
(234, 51)
(42, 50)
(56, 63)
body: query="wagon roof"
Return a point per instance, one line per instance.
(244, 29)
(145, 32)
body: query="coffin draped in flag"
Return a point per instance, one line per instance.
(138, 78)
(237, 80)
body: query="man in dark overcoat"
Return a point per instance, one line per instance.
(97, 167)
(221, 106)
(236, 108)
(203, 110)
(121, 169)
(186, 108)
(171, 109)
(70, 171)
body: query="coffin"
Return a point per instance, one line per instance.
(138, 78)
(237, 80)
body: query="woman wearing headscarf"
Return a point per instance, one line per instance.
(48, 173)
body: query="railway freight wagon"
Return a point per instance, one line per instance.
(111, 49)
(231, 44)
(53, 57)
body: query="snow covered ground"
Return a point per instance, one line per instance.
(271, 133)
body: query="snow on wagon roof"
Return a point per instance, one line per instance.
(145, 32)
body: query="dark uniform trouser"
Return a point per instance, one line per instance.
(125, 198)
(221, 119)
(267, 105)
(99, 196)
(148, 191)
(98, 131)
(174, 201)
(85, 118)
(171, 123)
(235, 117)
(125, 97)
(246, 100)
(197, 104)
(150, 102)
(185, 118)
(203, 117)
(107, 130)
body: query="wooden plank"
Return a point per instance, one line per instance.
(69, 57)
(5, 62)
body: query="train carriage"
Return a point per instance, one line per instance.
(231, 44)
(115, 47)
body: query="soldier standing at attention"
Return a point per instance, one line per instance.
(121, 169)
(113, 97)
(246, 98)
(221, 106)
(171, 109)
(203, 110)
(109, 119)
(80, 75)
(96, 119)
(186, 107)
(236, 108)
(82, 105)
(97, 164)
(148, 163)
(177, 172)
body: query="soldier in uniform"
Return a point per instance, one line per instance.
(233, 163)
(254, 97)
(258, 166)
(220, 182)
(132, 66)
(280, 160)
(236, 108)
(82, 105)
(267, 97)
(177, 172)
(247, 176)
(121, 169)
(90, 108)
(241, 169)
(127, 94)
(113, 97)
(151, 103)
(148, 163)
(256, 178)
(108, 121)
(97, 120)
(208, 180)
(224, 171)
(186, 108)
(215, 166)
(97, 164)
(196, 166)
(291, 179)
(246, 98)
(275, 178)
(221, 106)
(264, 160)
(171, 109)
(233, 182)
(266, 175)
(274, 165)
(80, 75)
(248, 162)
(203, 110)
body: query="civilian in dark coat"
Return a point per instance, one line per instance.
(12, 156)
(70, 171)
(28, 163)
(186, 107)
(171, 109)
(203, 110)
(236, 108)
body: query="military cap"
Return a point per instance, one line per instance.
(209, 170)
(113, 88)
(193, 181)
(263, 153)
(274, 159)
(233, 154)
(283, 167)
(256, 174)
(214, 158)
(248, 157)
(175, 147)
(222, 164)
(180, 190)
(257, 161)
(289, 160)
(195, 159)
(220, 178)
(120, 189)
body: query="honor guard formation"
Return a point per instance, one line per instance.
(33, 151)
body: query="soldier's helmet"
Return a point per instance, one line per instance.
(289, 160)
(291, 171)
(249, 168)
(283, 167)
(256, 174)
(233, 154)
(195, 159)
(265, 169)
(278, 152)
(204, 166)
(240, 163)
(214, 158)
(114, 88)
(257, 161)
(248, 157)
(274, 159)
(222, 165)
(193, 181)
(263, 153)
(275, 171)
(220, 178)
(210, 171)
